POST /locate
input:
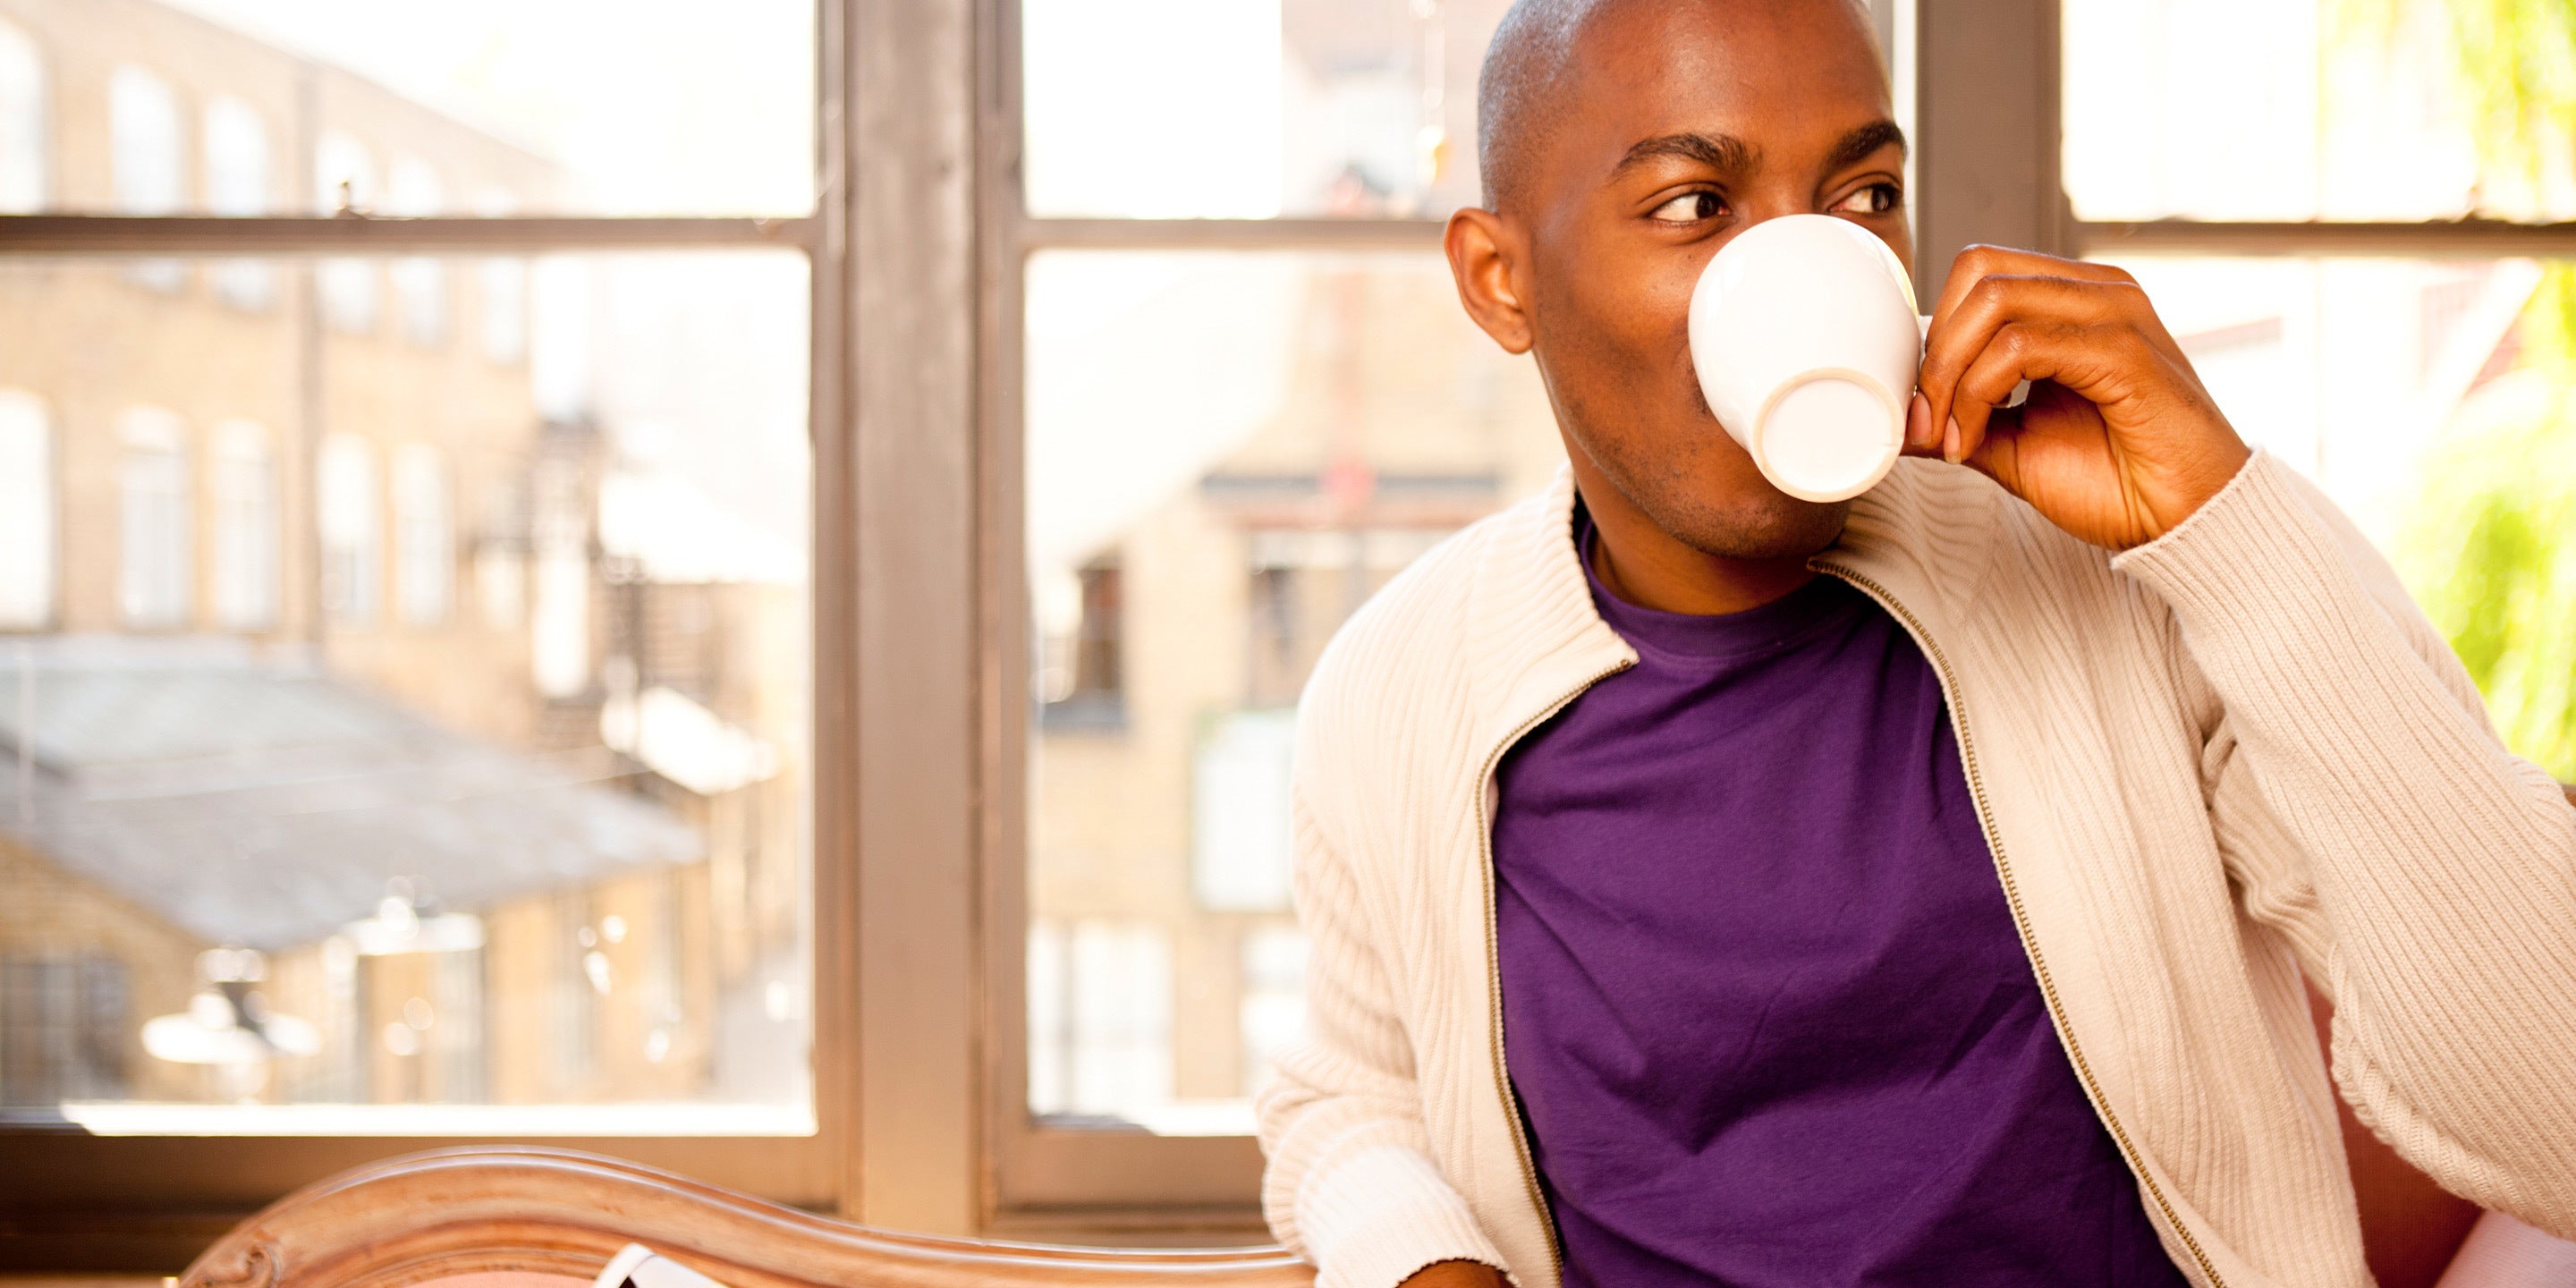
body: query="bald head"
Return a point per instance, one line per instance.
(1522, 69)
(1527, 72)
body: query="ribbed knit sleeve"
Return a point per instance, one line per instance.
(1351, 1185)
(2442, 869)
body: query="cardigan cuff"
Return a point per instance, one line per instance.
(2254, 548)
(1380, 1215)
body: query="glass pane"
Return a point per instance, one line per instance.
(403, 727)
(1252, 108)
(477, 107)
(1227, 453)
(2435, 401)
(2298, 109)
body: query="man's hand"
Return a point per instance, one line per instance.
(2117, 443)
(1456, 1274)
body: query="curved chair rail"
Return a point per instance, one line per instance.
(458, 1212)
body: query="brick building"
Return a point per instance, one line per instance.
(313, 644)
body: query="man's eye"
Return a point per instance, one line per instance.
(1690, 207)
(1876, 199)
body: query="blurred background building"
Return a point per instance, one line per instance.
(1361, 425)
(1227, 454)
(381, 725)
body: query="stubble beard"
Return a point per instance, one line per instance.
(1759, 522)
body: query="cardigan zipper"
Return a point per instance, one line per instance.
(2012, 897)
(1494, 962)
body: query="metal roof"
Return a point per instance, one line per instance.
(254, 799)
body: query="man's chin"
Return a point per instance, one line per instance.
(1768, 526)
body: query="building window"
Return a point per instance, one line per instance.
(154, 571)
(270, 612)
(351, 520)
(26, 512)
(1100, 1019)
(26, 142)
(1273, 663)
(246, 527)
(579, 978)
(344, 177)
(1239, 853)
(503, 288)
(1273, 1010)
(559, 641)
(501, 584)
(505, 309)
(420, 282)
(237, 185)
(424, 550)
(148, 147)
(1083, 682)
(62, 1029)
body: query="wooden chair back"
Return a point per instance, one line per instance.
(549, 1218)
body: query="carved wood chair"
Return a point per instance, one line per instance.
(547, 1218)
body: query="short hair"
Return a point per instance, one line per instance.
(1532, 46)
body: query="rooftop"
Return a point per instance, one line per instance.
(251, 798)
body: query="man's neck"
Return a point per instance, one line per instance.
(1636, 560)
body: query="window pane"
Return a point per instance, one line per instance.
(425, 544)
(155, 525)
(414, 738)
(148, 148)
(2436, 402)
(1226, 454)
(26, 131)
(547, 107)
(1252, 108)
(248, 526)
(27, 551)
(2301, 109)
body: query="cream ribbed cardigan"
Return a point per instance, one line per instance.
(2203, 766)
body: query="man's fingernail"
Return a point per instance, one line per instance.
(1918, 422)
(1950, 442)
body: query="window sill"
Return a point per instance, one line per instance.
(128, 1118)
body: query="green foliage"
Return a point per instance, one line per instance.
(2489, 546)
(2489, 549)
(2517, 62)
(2514, 63)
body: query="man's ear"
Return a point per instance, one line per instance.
(1483, 252)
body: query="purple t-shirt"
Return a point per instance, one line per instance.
(1763, 1001)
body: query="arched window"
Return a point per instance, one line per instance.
(424, 549)
(352, 531)
(155, 582)
(246, 527)
(238, 178)
(149, 161)
(345, 173)
(420, 282)
(503, 288)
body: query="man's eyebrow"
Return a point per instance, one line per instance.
(1719, 151)
(1859, 143)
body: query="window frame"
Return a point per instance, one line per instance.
(71, 1201)
(917, 242)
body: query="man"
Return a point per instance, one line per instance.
(1710, 887)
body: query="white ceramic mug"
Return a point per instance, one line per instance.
(1804, 335)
